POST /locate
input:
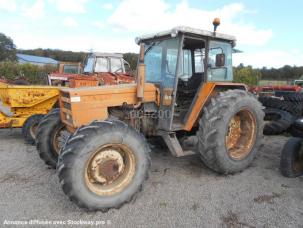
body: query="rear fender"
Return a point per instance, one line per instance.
(206, 91)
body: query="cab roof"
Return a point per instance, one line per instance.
(186, 30)
(104, 54)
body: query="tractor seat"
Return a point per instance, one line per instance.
(190, 86)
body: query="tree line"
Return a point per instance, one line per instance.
(251, 76)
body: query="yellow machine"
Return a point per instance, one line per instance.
(183, 93)
(24, 106)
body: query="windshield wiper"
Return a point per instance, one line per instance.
(150, 47)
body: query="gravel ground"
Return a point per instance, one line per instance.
(181, 192)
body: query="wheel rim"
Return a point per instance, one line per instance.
(110, 169)
(298, 161)
(59, 138)
(241, 134)
(33, 130)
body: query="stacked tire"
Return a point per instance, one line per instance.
(281, 112)
(278, 121)
(294, 108)
(284, 113)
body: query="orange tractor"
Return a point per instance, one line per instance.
(183, 93)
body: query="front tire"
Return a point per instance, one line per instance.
(29, 129)
(291, 164)
(103, 165)
(51, 136)
(230, 132)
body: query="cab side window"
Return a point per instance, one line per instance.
(116, 65)
(186, 65)
(199, 64)
(89, 65)
(219, 62)
(102, 65)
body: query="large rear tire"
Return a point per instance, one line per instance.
(231, 131)
(103, 165)
(51, 136)
(29, 129)
(292, 158)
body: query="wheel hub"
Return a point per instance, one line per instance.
(241, 133)
(33, 130)
(59, 139)
(234, 132)
(106, 166)
(110, 169)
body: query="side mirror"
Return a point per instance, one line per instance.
(220, 60)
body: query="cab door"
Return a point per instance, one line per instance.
(161, 58)
(191, 76)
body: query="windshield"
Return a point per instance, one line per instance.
(161, 61)
(71, 69)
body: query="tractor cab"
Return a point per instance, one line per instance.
(180, 61)
(106, 62)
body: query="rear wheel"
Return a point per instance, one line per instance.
(292, 158)
(103, 165)
(29, 128)
(230, 131)
(51, 136)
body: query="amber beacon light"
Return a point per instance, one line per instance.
(216, 23)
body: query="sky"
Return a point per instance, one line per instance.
(268, 32)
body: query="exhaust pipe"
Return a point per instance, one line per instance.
(141, 74)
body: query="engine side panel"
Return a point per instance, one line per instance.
(84, 105)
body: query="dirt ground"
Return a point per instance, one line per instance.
(181, 192)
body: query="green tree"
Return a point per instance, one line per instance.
(7, 48)
(132, 59)
(246, 75)
(33, 74)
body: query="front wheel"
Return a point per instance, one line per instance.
(51, 136)
(103, 165)
(230, 132)
(29, 129)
